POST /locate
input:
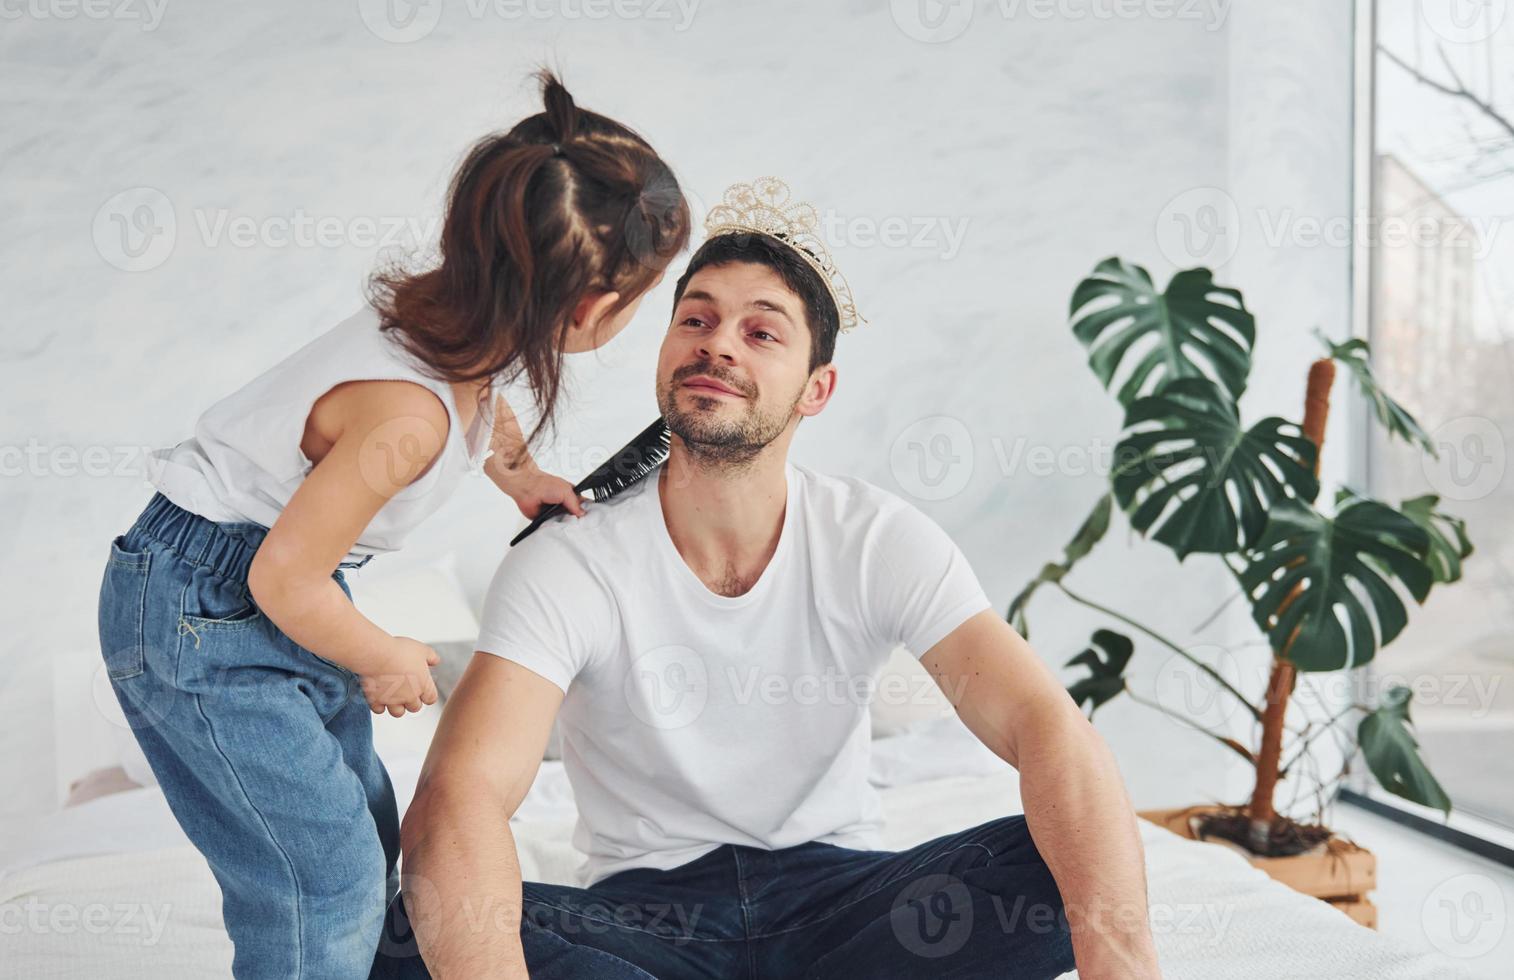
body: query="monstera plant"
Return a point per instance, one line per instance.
(1326, 586)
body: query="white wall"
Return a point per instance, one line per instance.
(1048, 142)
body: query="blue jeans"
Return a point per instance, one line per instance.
(980, 903)
(263, 749)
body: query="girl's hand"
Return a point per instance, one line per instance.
(537, 490)
(401, 680)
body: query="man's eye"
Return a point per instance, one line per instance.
(763, 333)
(693, 321)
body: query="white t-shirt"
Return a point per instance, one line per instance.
(244, 461)
(693, 719)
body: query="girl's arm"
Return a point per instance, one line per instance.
(526, 484)
(385, 435)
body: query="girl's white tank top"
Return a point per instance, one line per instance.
(244, 461)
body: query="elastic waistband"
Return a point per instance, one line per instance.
(224, 548)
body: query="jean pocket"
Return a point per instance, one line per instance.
(216, 602)
(213, 649)
(123, 610)
(196, 627)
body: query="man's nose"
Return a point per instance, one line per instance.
(719, 343)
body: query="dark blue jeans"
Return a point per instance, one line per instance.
(980, 903)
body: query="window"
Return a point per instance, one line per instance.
(1440, 319)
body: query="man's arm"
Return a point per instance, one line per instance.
(462, 875)
(1075, 804)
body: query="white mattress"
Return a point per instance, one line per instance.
(150, 909)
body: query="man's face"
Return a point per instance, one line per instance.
(734, 367)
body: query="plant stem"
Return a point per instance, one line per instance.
(1284, 674)
(1229, 743)
(1269, 753)
(1214, 674)
(1216, 614)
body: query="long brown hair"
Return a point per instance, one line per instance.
(565, 204)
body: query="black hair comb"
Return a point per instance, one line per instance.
(621, 471)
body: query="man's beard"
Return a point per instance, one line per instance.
(716, 440)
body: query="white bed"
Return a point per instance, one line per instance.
(111, 888)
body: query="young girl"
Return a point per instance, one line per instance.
(225, 619)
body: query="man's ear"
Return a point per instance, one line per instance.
(818, 390)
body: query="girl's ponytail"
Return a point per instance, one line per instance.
(561, 111)
(566, 204)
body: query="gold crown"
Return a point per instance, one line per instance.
(763, 207)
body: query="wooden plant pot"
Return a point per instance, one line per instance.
(1342, 874)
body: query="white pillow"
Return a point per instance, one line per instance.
(906, 693)
(425, 602)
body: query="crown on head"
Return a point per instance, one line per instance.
(763, 207)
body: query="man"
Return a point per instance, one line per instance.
(729, 824)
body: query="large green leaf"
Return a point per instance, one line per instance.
(1195, 329)
(1445, 555)
(1185, 462)
(1355, 355)
(1106, 673)
(1392, 753)
(1344, 565)
(1095, 525)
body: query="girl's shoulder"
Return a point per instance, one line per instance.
(397, 418)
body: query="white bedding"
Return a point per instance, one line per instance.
(112, 889)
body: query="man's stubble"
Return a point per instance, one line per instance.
(718, 440)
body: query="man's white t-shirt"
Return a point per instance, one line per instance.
(693, 719)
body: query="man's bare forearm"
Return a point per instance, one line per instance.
(1082, 823)
(462, 885)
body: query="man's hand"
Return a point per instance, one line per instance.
(1075, 803)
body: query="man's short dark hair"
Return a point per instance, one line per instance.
(758, 249)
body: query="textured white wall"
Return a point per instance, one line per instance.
(1014, 152)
